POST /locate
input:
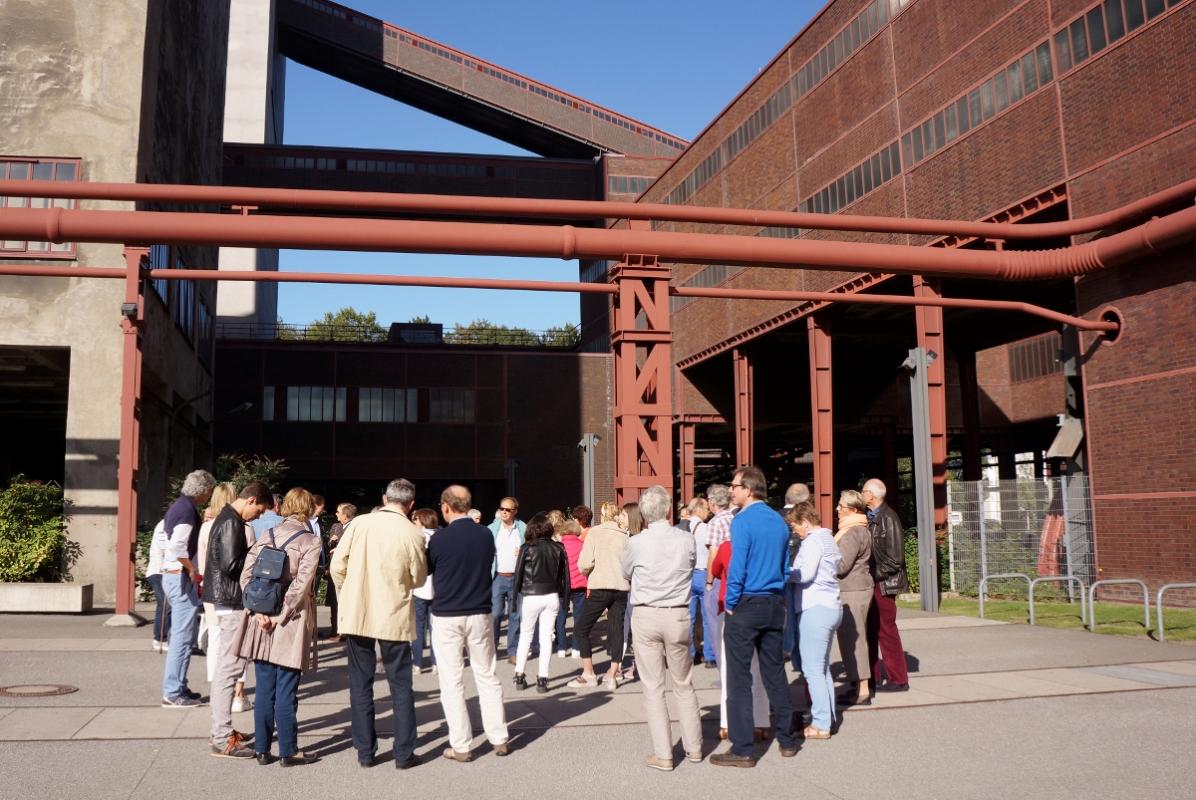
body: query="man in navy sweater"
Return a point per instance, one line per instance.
(460, 557)
(755, 620)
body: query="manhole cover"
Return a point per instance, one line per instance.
(37, 690)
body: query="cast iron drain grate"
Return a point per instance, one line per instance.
(37, 690)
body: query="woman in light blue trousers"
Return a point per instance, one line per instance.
(815, 571)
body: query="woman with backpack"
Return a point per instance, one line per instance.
(279, 629)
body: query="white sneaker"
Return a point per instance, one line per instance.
(562, 653)
(575, 653)
(157, 646)
(433, 669)
(241, 704)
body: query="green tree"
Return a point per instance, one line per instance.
(347, 325)
(33, 541)
(483, 331)
(565, 336)
(421, 320)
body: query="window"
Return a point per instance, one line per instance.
(1035, 358)
(182, 309)
(267, 404)
(1114, 19)
(451, 405)
(1133, 14)
(159, 258)
(34, 169)
(315, 404)
(1096, 29)
(381, 404)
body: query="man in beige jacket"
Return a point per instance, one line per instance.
(379, 560)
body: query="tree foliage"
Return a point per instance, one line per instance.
(347, 325)
(483, 331)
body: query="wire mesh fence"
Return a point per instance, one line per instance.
(1038, 527)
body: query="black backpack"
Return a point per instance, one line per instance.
(264, 593)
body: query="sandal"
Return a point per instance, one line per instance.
(814, 733)
(722, 733)
(583, 682)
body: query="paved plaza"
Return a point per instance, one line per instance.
(995, 710)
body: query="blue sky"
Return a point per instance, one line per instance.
(673, 65)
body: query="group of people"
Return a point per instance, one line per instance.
(757, 588)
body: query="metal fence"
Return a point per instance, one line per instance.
(1036, 527)
(564, 337)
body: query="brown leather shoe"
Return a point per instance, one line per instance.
(788, 752)
(503, 749)
(729, 759)
(453, 755)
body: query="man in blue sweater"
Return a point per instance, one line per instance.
(460, 558)
(755, 620)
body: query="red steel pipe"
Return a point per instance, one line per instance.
(478, 238)
(593, 209)
(36, 270)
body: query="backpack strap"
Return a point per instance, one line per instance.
(293, 538)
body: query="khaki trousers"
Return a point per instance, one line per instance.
(662, 647)
(450, 636)
(228, 668)
(852, 633)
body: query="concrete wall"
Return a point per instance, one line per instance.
(254, 98)
(77, 79)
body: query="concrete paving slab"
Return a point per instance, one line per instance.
(916, 696)
(1136, 672)
(132, 723)
(25, 724)
(959, 688)
(1178, 667)
(944, 622)
(1024, 683)
(1087, 678)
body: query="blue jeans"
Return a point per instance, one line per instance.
(757, 625)
(275, 705)
(711, 624)
(396, 659)
(575, 601)
(818, 625)
(793, 627)
(161, 631)
(504, 601)
(184, 619)
(423, 624)
(697, 612)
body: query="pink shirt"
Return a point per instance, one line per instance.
(572, 545)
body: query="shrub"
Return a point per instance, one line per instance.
(33, 541)
(913, 568)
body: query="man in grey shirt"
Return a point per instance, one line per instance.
(659, 562)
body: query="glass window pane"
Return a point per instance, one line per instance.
(919, 152)
(1000, 92)
(857, 178)
(292, 403)
(1154, 8)
(65, 172)
(326, 410)
(388, 405)
(1029, 73)
(940, 134)
(974, 107)
(867, 175)
(834, 205)
(363, 404)
(1079, 42)
(1114, 21)
(19, 171)
(1096, 29)
(907, 148)
(43, 172)
(1045, 74)
(950, 127)
(340, 404)
(877, 179)
(1133, 14)
(1015, 81)
(986, 99)
(1062, 50)
(894, 159)
(412, 405)
(267, 403)
(962, 116)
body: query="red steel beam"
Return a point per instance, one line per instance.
(132, 325)
(567, 242)
(822, 419)
(929, 323)
(687, 435)
(595, 209)
(745, 423)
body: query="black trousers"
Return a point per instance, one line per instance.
(396, 658)
(330, 601)
(757, 625)
(613, 602)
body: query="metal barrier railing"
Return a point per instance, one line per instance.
(1159, 603)
(1118, 581)
(1068, 579)
(984, 584)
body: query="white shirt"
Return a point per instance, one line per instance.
(426, 592)
(157, 551)
(506, 545)
(700, 533)
(815, 568)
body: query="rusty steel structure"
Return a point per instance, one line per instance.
(639, 284)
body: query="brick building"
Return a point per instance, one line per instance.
(1024, 111)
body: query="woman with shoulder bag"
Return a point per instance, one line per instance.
(282, 644)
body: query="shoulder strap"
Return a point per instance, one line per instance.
(293, 538)
(270, 533)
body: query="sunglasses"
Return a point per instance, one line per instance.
(508, 510)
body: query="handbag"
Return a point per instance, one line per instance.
(265, 591)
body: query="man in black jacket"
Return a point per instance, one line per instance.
(228, 543)
(888, 570)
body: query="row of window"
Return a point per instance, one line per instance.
(871, 173)
(1035, 358)
(37, 170)
(841, 46)
(627, 184)
(595, 271)
(713, 275)
(187, 307)
(374, 404)
(1011, 84)
(1101, 25)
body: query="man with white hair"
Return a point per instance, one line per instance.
(795, 494)
(888, 570)
(180, 582)
(659, 563)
